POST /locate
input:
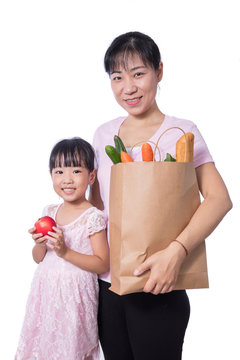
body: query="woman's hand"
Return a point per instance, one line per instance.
(39, 239)
(164, 267)
(56, 241)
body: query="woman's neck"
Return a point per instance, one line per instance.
(152, 116)
(138, 128)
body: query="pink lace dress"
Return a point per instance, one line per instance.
(61, 314)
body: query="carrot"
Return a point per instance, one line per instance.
(147, 152)
(182, 147)
(125, 157)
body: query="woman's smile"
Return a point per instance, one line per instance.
(135, 86)
(134, 101)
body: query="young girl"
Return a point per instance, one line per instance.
(151, 324)
(61, 317)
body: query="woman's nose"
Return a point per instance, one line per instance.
(130, 87)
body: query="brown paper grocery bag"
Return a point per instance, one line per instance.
(150, 204)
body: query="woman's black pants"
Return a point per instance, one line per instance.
(142, 326)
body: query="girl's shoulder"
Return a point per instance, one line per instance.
(50, 210)
(96, 220)
(93, 211)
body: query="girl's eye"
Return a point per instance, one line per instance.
(58, 172)
(138, 74)
(76, 171)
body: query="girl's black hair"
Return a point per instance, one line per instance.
(131, 43)
(72, 152)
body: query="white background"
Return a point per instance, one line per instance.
(53, 86)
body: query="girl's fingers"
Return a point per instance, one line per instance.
(50, 245)
(32, 230)
(57, 230)
(53, 247)
(41, 241)
(37, 236)
(51, 239)
(53, 234)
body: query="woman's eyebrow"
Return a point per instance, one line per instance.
(116, 72)
(132, 69)
(138, 67)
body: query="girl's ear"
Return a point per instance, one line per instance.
(92, 176)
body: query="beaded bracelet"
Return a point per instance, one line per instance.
(186, 251)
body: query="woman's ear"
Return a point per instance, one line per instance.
(160, 71)
(92, 176)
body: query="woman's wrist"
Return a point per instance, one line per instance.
(182, 245)
(178, 249)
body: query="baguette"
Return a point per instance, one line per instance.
(184, 151)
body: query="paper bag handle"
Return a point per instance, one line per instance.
(173, 127)
(156, 144)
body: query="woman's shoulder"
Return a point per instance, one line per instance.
(109, 126)
(180, 122)
(201, 151)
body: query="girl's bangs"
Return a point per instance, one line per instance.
(68, 159)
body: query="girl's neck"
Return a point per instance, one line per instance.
(75, 205)
(68, 211)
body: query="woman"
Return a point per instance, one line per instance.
(151, 324)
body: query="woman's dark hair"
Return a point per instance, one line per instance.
(131, 43)
(72, 152)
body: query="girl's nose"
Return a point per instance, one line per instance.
(67, 179)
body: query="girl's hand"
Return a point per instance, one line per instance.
(57, 242)
(38, 238)
(164, 267)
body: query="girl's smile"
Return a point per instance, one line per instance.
(68, 191)
(71, 183)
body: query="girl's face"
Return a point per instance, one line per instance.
(71, 183)
(135, 87)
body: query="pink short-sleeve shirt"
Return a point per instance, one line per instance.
(104, 135)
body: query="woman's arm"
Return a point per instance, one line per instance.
(95, 197)
(97, 263)
(164, 265)
(214, 207)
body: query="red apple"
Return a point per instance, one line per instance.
(44, 225)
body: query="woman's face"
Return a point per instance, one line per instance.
(135, 87)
